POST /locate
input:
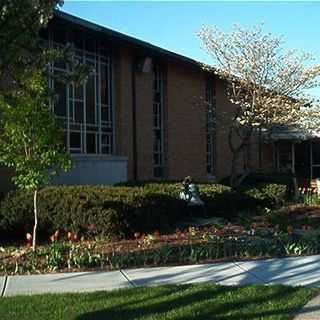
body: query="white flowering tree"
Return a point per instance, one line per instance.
(266, 84)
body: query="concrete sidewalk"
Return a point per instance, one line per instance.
(302, 271)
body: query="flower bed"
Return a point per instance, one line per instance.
(183, 247)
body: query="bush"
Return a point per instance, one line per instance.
(221, 200)
(120, 211)
(114, 211)
(269, 195)
(257, 178)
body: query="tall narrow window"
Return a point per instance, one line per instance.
(85, 110)
(158, 123)
(210, 126)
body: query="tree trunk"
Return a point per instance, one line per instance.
(236, 152)
(235, 157)
(293, 171)
(35, 210)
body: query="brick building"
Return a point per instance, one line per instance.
(142, 115)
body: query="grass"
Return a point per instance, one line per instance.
(194, 302)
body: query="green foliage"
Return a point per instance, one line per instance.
(121, 211)
(311, 199)
(83, 255)
(222, 200)
(114, 212)
(30, 142)
(55, 256)
(269, 195)
(20, 47)
(256, 178)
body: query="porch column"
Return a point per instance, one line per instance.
(311, 161)
(276, 155)
(293, 171)
(293, 158)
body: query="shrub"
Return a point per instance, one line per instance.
(115, 212)
(269, 195)
(120, 211)
(221, 200)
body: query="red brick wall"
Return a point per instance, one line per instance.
(186, 143)
(123, 106)
(185, 131)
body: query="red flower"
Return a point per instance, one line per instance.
(69, 236)
(55, 236)
(290, 229)
(29, 239)
(137, 235)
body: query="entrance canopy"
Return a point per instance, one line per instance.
(296, 151)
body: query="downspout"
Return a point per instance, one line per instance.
(134, 122)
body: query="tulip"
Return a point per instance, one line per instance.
(136, 235)
(29, 239)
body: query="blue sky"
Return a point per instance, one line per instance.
(173, 25)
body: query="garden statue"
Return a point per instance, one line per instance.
(190, 192)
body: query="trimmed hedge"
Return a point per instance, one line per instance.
(221, 200)
(120, 211)
(113, 211)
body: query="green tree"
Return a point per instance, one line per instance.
(21, 51)
(30, 142)
(30, 137)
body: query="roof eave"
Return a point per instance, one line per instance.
(128, 39)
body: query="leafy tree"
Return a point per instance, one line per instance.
(21, 53)
(266, 84)
(30, 139)
(30, 142)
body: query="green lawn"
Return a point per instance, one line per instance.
(164, 302)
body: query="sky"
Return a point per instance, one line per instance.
(173, 25)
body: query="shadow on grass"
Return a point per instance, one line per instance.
(188, 302)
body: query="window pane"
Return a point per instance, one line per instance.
(79, 92)
(157, 122)
(106, 143)
(60, 104)
(90, 101)
(104, 114)
(104, 84)
(78, 112)
(75, 140)
(91, 143)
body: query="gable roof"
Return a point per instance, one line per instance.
(137, 43)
